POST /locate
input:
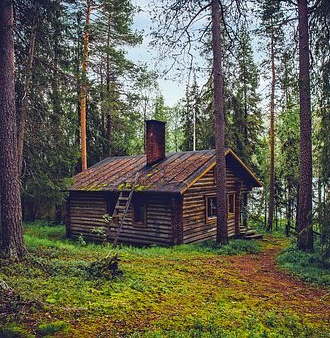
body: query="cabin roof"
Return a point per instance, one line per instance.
(176, 173)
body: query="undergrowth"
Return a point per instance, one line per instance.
(312, 267)
(181, 291)
(50, 237)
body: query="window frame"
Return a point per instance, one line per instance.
(209, 218)
(229, 194)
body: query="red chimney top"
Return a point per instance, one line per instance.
(155, 145)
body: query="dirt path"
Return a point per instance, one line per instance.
(268, 283)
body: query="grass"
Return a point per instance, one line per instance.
(311, 267)
(182, 291)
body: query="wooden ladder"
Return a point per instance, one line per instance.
(121, 208)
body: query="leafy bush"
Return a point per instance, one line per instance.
(234, 247)
(105, 268)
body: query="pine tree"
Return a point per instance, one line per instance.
(304, 212)
(49, 142)
(83, 89)
(244, 121)
(222, 216)
(271, 17)
(12, 243)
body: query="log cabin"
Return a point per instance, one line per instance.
(172, 202)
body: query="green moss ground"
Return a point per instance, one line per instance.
(184, 291)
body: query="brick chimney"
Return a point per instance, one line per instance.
(155, 145)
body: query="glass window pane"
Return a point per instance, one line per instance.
(211, 207)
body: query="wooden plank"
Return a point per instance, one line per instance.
(197, 178)
(87, 213)
(127, 237)
(145, 234)
(87, 220)
(200, 238)
(88, 207)
(198, 232)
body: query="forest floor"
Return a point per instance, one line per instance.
(185, 291)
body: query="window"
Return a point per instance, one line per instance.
(231, 204)
(139, 212)
(211, 207)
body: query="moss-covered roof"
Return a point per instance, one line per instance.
(173, 174)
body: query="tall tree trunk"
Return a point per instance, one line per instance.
(272, 142)
(83, 90)
(304, 212)
(288, 211)
(26, 95)
(108, 82)
(78, 86)
(102, 102)
(11, 214)
(265, 209)
(218, 92)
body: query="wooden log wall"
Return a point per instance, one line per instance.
(195, 226)
(158, 228)
(86, 211)
(85, 215)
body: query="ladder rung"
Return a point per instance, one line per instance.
(123, 198)
(117, 213)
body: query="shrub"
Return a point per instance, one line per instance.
(52, 328)
(308, 266)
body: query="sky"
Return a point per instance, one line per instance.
(171, 90)
(144, 53)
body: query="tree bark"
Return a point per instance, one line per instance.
(108, 81)
(304, 212)
(272, 142)
(222, 229)
(288, 210)
(78, 88)
(83, 90)
(11, 215)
